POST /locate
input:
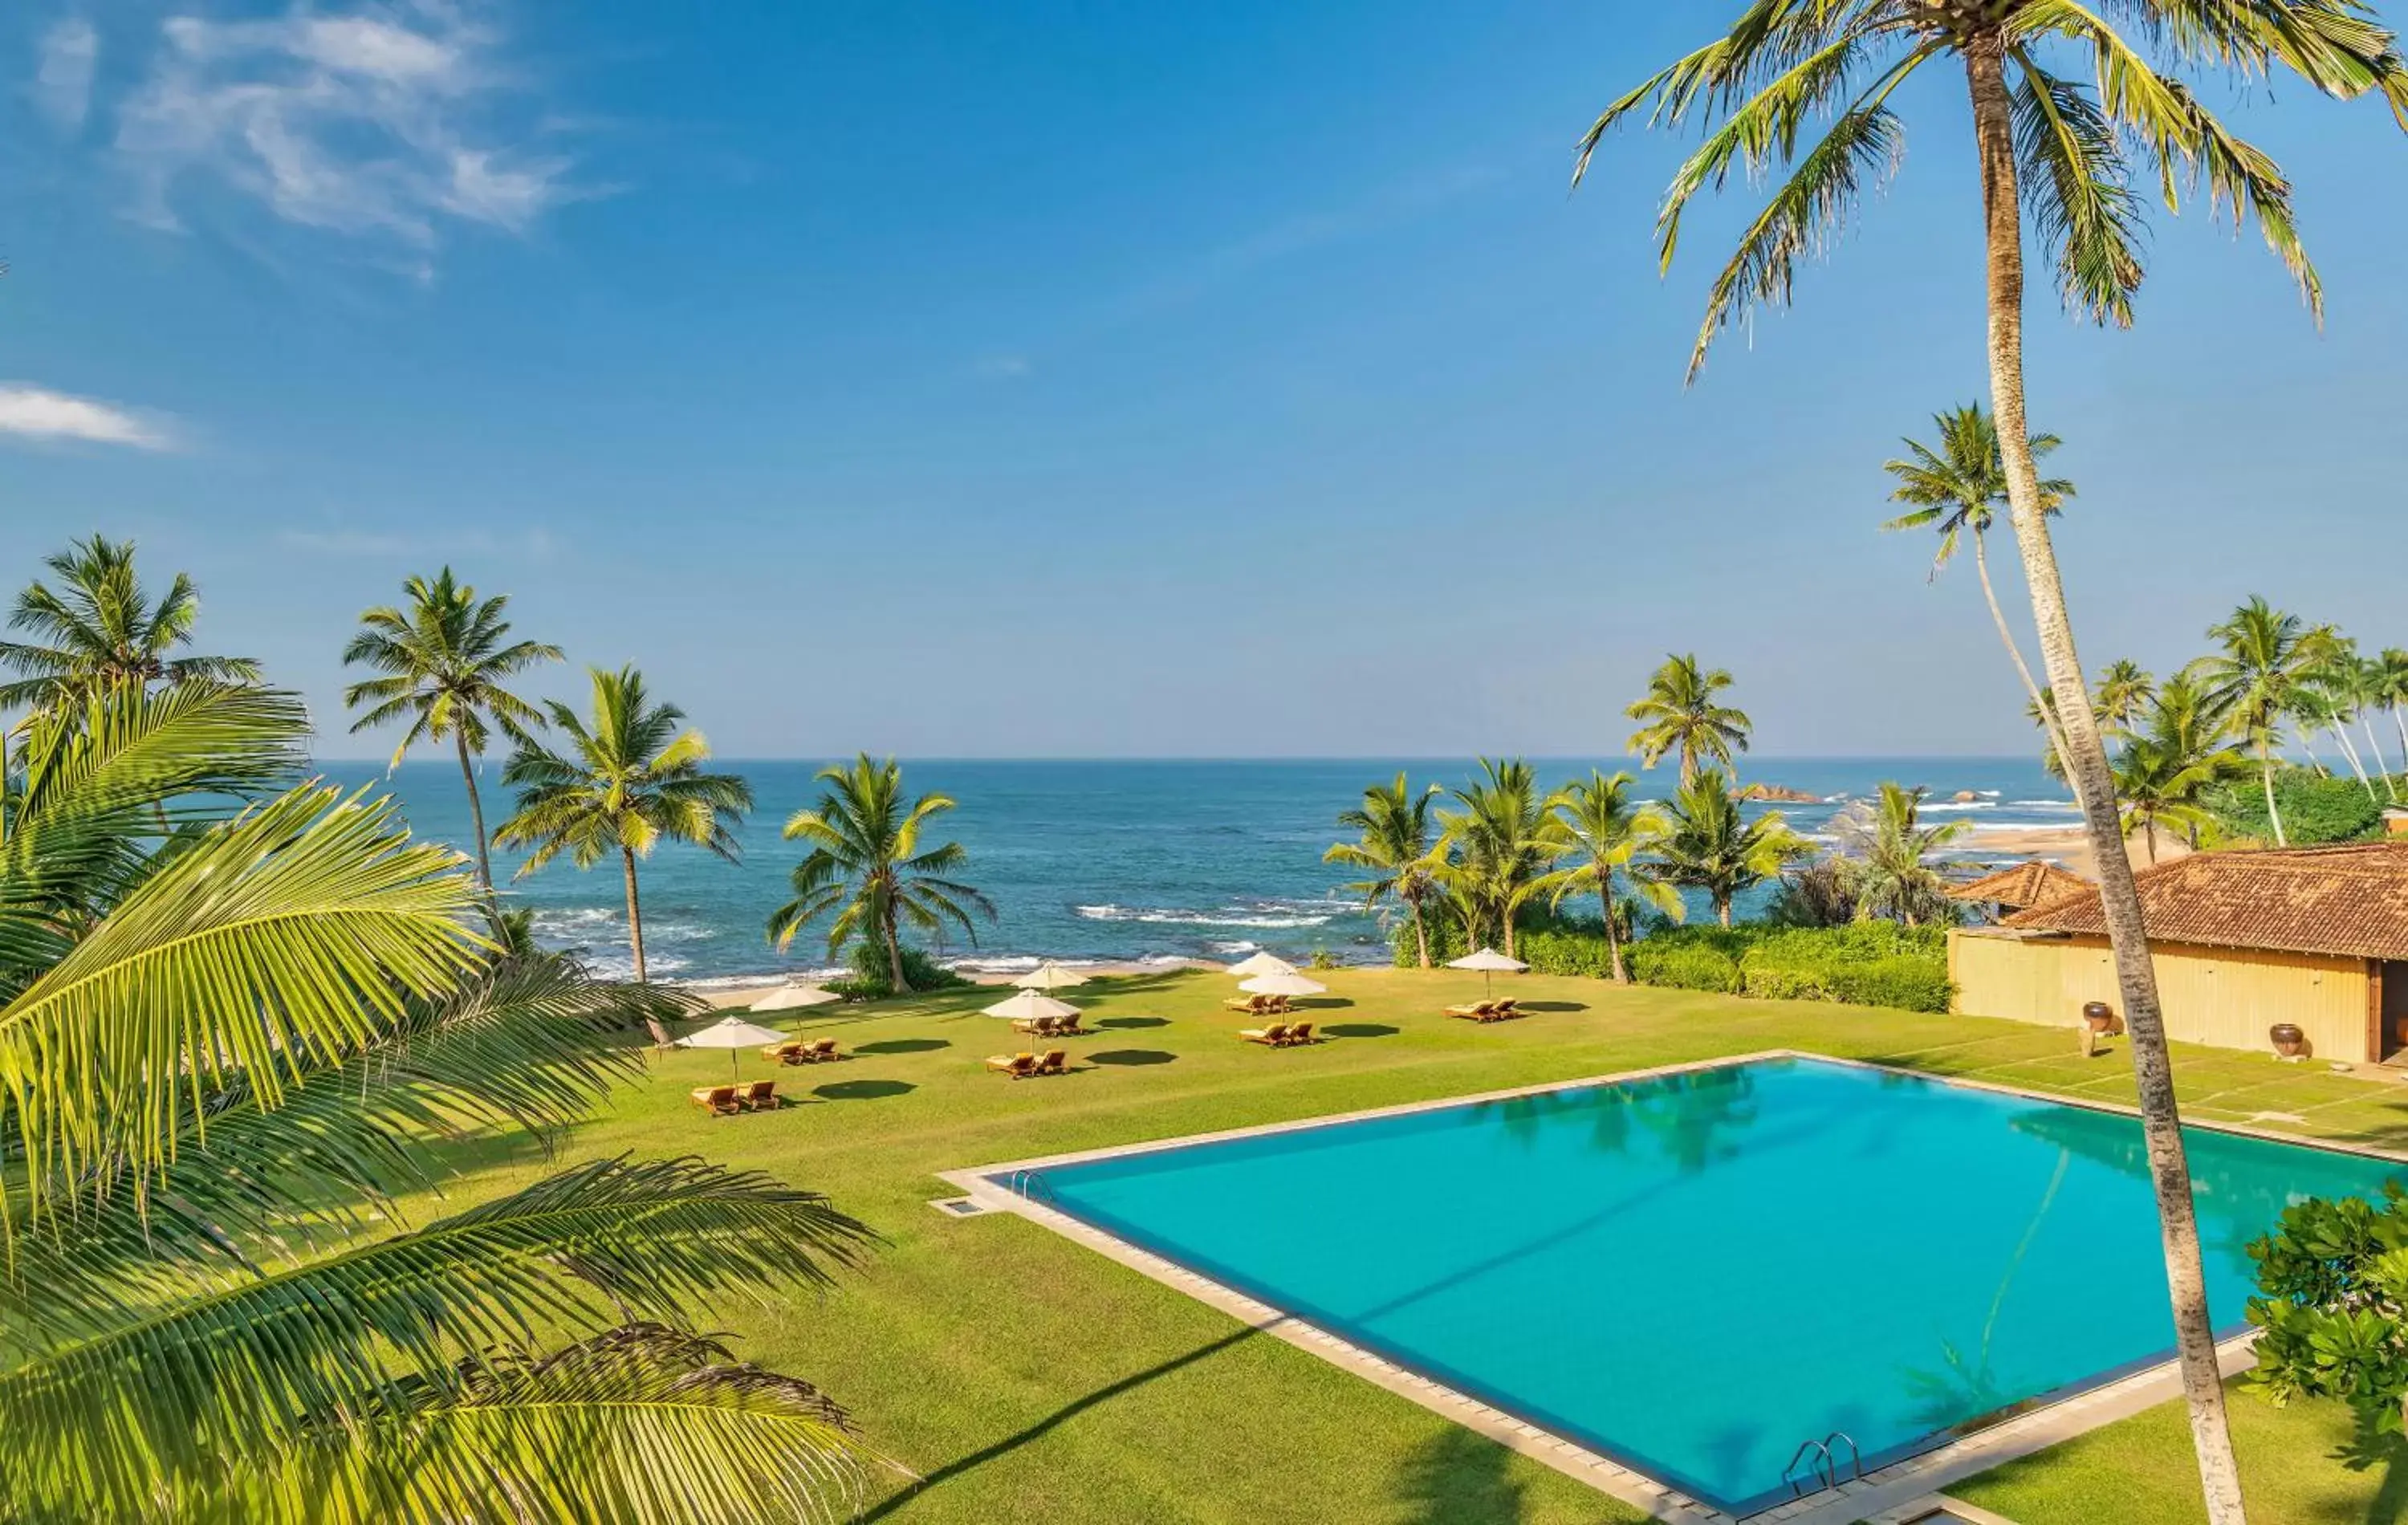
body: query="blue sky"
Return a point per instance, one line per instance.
(950, 378)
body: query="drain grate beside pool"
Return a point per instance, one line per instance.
(962, 1207)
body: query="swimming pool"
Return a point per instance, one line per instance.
(1693, 1273)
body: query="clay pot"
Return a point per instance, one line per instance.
(2288, 1041)
(2101, 1018)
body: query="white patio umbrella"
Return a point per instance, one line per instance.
(1289, 984)
(1028, 1005)
(1049, 975)
(1261, 963)
(791, 997)
(731, 1033)
(1490, 963)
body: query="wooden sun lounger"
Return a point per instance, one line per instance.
(1274, 1036)
(718, 1100)
(1507, 1010)
(762, 1095)
(1477, 1010)
(1249, 1005)
(1302, 1033)
(1034, 1027)
(1017, 1066)
(782, 1052)
(818, 1051)
(1055, 1062)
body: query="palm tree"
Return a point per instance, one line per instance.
(1395, 847)
(1496, 850)
(2180, 750)
(2389, 681)
(2052, 148)
(2258, 679)
(1610, 831)
(868, 866)
(1889, 852)
(2124, 689)
(1958, 489)
(628, 779)
(1680, 714)
(1707, 846)
(444, 662)
(100, 627)
(227, 1059)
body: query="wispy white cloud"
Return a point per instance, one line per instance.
(62, 82)
(383, 123)
(1002, 368)
(33, 413)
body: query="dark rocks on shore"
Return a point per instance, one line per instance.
(1775, 794)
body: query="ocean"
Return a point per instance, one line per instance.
(1099, 861)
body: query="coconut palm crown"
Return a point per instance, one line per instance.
(1396, 850)
(867, 868)
(1959, 488)
(1681, 715)
(1610, 830)
(444, 660)
(629, 779)
(100, 626)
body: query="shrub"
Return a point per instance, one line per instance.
(1683, 966)
(870, 980)
(1869, 963)
(2315, 808)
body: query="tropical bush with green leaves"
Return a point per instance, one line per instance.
(2315, 808)
(1866, 963)
(870, 977)
(236, 1008)
(2333, 1311)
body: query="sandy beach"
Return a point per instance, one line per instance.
(2067, 846)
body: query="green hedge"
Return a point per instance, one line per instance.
(871, 979)
(2315, 808)
(1867, 963)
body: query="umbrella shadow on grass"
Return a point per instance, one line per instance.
(903, 1045)
(1131, 1057)
(861, 1090)
(1362, 1030)
(1133, 1022)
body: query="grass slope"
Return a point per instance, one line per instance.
(1024, 1379)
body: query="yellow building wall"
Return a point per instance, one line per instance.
(2222, 995)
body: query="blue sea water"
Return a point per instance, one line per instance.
(1097, 860)
(1697, 1273)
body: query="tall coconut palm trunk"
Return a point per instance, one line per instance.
(1613, 937)
(2016, 650)
(2266, 780)
(2085, 760)
(476, 818)
(635, 941)
(1421, 931)
(2374, 754)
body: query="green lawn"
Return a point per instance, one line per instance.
(1023, 1377)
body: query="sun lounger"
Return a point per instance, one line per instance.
(762, 1095)
(1014, 1065)
(1302, 1033)
(781, 1053)
(1055, 1062)
(1477, 1010)
(1506, 1010)
(818, 1051)
(1249, 1005)
(1273, 1036)
(718, 1101)
(1067, 1026)
(1035, 1026)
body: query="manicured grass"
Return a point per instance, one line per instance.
(1023, 1377)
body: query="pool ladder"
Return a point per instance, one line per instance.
(1029, 1185)
(1822, 1461)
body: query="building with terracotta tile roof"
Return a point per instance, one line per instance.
(2020, 886)
(2312, 936)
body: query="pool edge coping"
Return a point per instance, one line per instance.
(2048, 1422)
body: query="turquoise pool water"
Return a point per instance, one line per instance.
(1693, 1273)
